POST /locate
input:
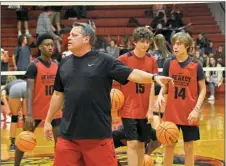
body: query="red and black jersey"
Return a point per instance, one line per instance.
(137, 95)
(43, 88)
(183, 96)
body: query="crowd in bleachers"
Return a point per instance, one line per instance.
(165, 22)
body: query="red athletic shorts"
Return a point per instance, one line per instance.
(87, 152)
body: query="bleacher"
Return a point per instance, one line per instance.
(113, 20)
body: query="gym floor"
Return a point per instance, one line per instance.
(209, 151)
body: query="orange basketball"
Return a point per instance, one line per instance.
(26, 141)
(167, 133)
(148, 160)
(117, 99)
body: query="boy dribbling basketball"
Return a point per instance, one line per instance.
(184, 98)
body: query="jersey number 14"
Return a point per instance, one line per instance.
(179, 92)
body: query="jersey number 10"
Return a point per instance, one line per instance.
(49, 90)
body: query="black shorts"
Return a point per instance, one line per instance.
(118, 135)
(22, 15)
(190, 133)
(137, 129)
(55, 122)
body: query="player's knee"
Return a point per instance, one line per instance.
(133, 144)
(188, 147)
(169, 146)
(14, 119)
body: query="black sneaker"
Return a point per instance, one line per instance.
(12, 148)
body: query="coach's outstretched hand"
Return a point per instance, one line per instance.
(163, 80)
(48, 131)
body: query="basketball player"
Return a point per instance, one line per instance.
(40, 77)
(119, 138)
(83, 83)
(13, 96)
(185, 98)
(136, 107)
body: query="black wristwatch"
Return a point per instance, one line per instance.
(153, 77)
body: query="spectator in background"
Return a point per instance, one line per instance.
(173, 24)
(4, 65)
(22, 16)
(214, 78)
(206, 59)
(128, 46)
(160, 51)
(22, 54)
(192, 49)
(210, 48)
(202, 42)
(198, 56)
(100, 44)
(55, 19)
(113, 49)
(221, 53)
(44, 26)
(160, 8)
(158, 22)
(178, 15)
(76, 12)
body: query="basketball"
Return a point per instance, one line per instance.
(117, 99)
(26, 141)
(167, 133)
(148, 161)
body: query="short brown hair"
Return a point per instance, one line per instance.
(141, 34)
(183, 37)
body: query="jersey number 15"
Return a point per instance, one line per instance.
(140, 88)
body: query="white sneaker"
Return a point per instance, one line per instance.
(211, 98)
(8, 119)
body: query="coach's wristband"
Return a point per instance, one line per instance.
(153, 77)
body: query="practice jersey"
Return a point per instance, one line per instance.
(137, 95)
(183, 96)
(43, 89)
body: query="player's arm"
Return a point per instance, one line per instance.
(164, 88)
(193, 117)
(202, 88)
(152, 107)
(202, 94)
(30, 79)
(4, 100)
(151, 98)
(56, 104)
(57, 99)
(30, 93)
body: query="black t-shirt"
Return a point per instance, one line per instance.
(166, 66)
(86, 83)
(8, 86)
(32, 69)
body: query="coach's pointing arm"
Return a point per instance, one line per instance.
(143, 77)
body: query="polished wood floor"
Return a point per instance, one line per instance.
(209, 151)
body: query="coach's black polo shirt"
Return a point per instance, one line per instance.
(86, 83)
